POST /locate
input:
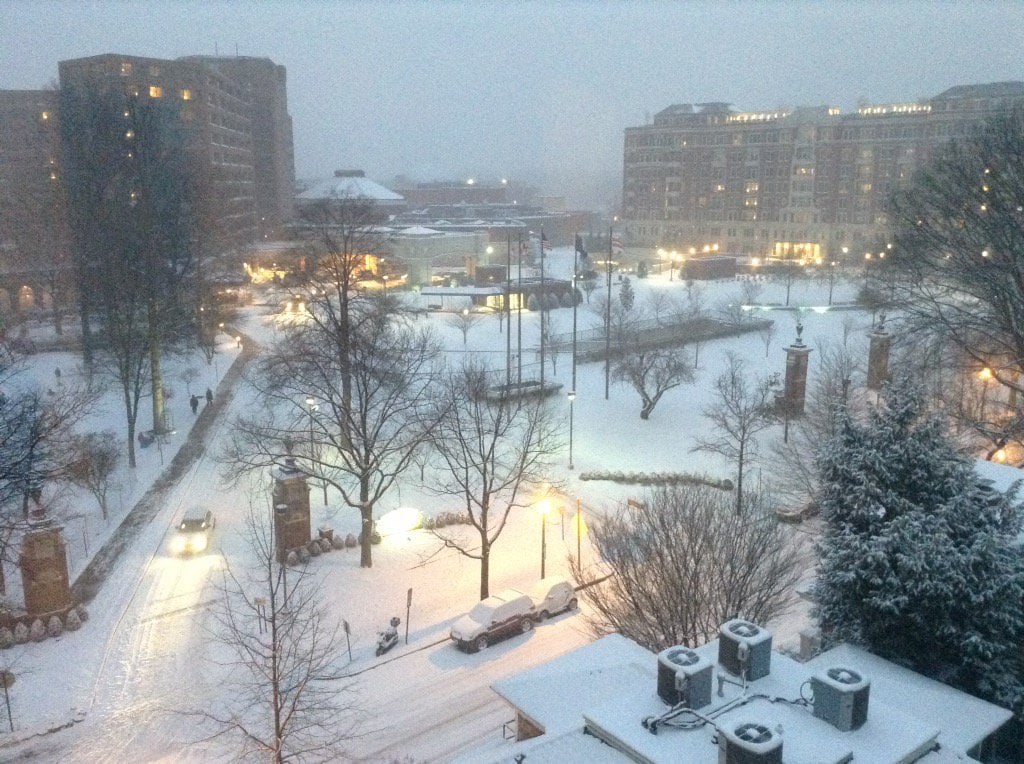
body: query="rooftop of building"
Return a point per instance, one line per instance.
(603, 697)
(350, 188)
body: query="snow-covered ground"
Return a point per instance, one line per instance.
(145, 651)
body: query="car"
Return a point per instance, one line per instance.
(192, 535)
(494, 618)
(550, 596)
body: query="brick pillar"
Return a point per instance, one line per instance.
(795, 390)
(291, 508)
(44, 570)
(878, 356)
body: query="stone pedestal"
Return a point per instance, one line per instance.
(292, 527)
(44, 571)
(795, 390)
(878, 356)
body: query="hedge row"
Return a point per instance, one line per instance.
(657, 478)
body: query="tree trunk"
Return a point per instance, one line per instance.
(365, 546)
(485, 567)
(156, 377)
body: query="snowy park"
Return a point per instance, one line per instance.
(124, 684)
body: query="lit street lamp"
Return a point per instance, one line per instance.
(312, 407)
(984, 375)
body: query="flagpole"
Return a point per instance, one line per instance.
(543, 305)
(508, 310)
(608, 321)
(572, 390)
(519, 318)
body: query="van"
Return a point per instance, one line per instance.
(499, 616)
(550, 596)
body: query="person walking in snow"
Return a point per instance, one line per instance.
(209, 396)
(194, 403)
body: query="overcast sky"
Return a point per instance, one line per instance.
(538, 92)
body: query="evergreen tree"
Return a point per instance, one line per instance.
(918, 561)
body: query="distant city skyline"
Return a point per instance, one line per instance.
(537, 92)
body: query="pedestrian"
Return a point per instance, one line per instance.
(194, 403)
(209, 396)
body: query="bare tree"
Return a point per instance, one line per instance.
(957, 252)
(740, 411)
(358, 440)
(94, 458)
(686, 564)
(496, 453)
(767, 334)
(652, 372)
(465, 320)
(286, 695)
(126, 179)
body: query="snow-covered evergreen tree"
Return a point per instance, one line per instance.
(918, 562)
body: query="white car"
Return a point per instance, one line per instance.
(192, 535)
(550, 596)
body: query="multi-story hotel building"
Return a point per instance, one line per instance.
(788, 184)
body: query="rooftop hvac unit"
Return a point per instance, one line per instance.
(745, 649)
(841, 697)
(749, 743)
(684, 677)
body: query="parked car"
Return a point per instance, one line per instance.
(550, 596)
(192, 535)
(499, 616)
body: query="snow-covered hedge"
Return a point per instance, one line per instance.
(658, 478)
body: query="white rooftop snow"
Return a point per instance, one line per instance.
(349, 188)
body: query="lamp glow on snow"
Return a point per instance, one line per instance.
(401, 520)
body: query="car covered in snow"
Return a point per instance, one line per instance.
(550, 596)
(192, 534)
(494, 618)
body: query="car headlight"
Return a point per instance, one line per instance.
(199, 543)
(178, 544)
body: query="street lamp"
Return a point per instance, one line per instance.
(384, 280)
(311, 406)
(984, 375)
(544, 507)
(572, 399)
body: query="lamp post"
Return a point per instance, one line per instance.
(311, 406)
(572, 399)
(984, 375)
(544, 507)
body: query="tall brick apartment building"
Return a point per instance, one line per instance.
(233, 112)
(787, 184)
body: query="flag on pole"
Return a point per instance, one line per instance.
(579, 246)
(545, 245)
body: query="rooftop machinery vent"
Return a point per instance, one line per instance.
(684, 677)
(745, 649)
(841, 697)
(749, 743)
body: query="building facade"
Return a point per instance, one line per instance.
(805, 184)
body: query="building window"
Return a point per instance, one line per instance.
(126, 69)
(45, 116)
(186, 95)
(155, 91)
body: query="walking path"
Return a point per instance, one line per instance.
(89, 582)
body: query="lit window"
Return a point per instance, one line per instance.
(186, 95)
(155, 91)
(45, 115)
(126, 69)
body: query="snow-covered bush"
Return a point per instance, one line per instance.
(54, 627)
(291, 559)
(38, 632)
(6, 638)
(303, 554)
(21, 633)
(326, 545)
(313, 547)
(72, 622)
(83, 614)
(338, 542)
(351, 542)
